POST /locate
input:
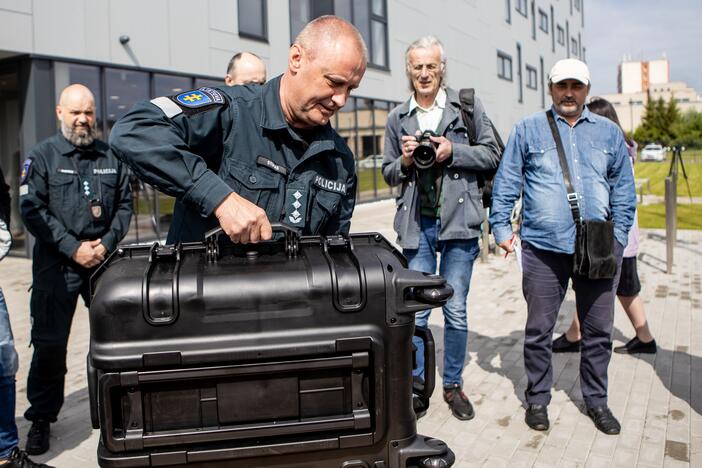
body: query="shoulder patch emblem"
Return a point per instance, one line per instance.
(193, 99)
(25, 170)
(199, 98)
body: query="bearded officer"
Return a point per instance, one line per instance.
(75, 200)
(240, 156)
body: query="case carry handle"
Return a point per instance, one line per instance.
(292, 240)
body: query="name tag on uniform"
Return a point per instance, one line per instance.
(105, 170)
(330, 185)
(263, 161)
(66, 171)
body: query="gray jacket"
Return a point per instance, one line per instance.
(461, 204)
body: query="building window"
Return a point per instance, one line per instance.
(123, 88)
(504, 66)
(508, 11)
(361, 123)
(574, 46)
(200, 82)
(168, 85)
(369, 16)
(252, 19)
(531, 77)
(521, 7)
(543, 21)
(561, 35)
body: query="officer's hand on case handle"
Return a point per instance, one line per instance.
(243, 221)
(89, 254)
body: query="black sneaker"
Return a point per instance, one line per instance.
(562, 345)
(20, 459)
(459, 403)
(536, 417)
(636, 346)
(604, 420)
(38, 437)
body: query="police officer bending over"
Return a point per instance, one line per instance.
(75, 199)
(244, 155)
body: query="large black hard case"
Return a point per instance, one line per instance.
(294, 353)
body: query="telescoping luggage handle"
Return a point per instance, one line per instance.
(292, 240)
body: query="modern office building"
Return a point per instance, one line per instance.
(129, 50)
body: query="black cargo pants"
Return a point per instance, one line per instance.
(52, 305)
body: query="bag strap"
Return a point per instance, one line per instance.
(467, 98)
(571, 193)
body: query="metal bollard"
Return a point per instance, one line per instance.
(670, 222)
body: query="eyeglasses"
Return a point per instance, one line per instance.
(431, 67)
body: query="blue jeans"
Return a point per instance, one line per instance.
(8, 368)
(457, 257)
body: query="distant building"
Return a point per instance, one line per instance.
(635, 77)
(639, 81)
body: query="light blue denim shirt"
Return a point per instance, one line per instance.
(600, 172)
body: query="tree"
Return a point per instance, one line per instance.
(659, 122)
(688, 130)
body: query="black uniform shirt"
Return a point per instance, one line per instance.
(201, 145)
(62, 190)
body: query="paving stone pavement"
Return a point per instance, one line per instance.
(658, 398)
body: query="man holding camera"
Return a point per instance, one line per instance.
(440, 207)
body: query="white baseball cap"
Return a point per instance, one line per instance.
(569, 69)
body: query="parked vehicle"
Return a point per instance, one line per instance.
(371, 162)
(653, 152)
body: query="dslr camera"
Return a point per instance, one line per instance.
(424, 155)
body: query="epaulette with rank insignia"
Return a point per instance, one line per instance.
(190, 102)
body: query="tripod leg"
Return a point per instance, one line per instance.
(672, 163)
(687, 182)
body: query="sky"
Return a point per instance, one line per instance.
(643, 30)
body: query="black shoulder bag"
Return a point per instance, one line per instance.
(594, 240)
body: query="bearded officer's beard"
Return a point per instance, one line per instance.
(79, 136)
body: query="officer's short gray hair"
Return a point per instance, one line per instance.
(325, 30)
(426, 42)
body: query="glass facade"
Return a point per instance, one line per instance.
(369, 16)
(361, 123)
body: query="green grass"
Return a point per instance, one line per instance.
(656, 172)
(653, 216)
(365, 180)
(165, 204)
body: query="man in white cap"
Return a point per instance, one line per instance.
(601, 187)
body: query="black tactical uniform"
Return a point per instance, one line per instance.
(67, 195)
(201, 145)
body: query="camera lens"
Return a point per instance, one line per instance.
(424, 155)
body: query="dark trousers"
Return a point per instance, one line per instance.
(544, 283)
(51, 308)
